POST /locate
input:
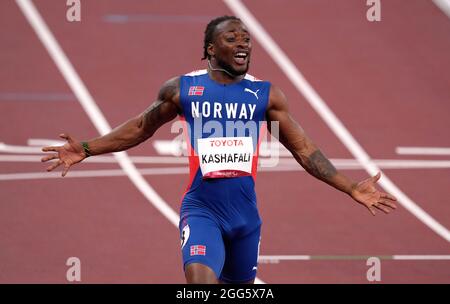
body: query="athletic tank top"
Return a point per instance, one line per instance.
(223, 124)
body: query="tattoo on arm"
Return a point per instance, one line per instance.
(164, 109)
(294, 138)
(169, 89)
(153, 113)
(319, 166)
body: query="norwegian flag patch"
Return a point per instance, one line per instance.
(196, 90)
(198, 250)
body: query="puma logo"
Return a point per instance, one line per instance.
(250, 91)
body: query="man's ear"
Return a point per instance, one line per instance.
(210, 50)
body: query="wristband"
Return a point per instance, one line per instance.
(86, 150)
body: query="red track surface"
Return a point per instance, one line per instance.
(388, 82)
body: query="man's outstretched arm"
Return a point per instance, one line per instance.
(309, 156)
(140, 128)
(127, 135)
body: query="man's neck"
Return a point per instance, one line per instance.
(221, 75)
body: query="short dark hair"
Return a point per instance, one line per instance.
(211, 29)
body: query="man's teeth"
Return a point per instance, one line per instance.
(243, 55)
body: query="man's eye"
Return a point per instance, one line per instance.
(230, 39)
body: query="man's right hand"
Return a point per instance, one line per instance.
(69, 154)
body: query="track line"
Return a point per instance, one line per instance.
(285, 164)
(90, 107)
(155, 18)
(90, 173)
(101, 159)
(444, 5)
(278, 258)
(152, 171)
(421, 257)
(422, 151)
(322, 109)
(19, 149)
(44, 142)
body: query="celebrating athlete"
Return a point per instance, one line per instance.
(223, 108)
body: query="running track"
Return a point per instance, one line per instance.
(387, 82)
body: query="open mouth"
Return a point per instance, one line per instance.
(241, 58)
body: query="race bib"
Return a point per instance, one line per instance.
(225, 156)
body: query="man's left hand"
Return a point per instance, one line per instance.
(367, 195)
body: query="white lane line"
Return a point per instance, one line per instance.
(41, 142)
(101, 159)
(19, 149)
(411, 164)
(278, 258)
(162, 147)
(381, 163)
(161, 19)
(444, 5)
(351, 164)
(148, 171)
(90, 173)
(422, 257)
(319, 105)
(90, 107)
(176, 148)
(284, 164)
(422, 151)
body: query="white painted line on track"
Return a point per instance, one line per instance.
(44, 142)
(90, 173)
(19, 149)
(278, 258)
(176, 148)
(101, 159)
(284, 164)
(444, 5)
(333, 122)
(421, 257)
(422, 151)
(167, 170)
(87, 102)
(352, 164)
